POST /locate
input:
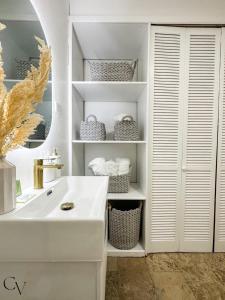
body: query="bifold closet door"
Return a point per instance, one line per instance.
(220, 186)
(184, 103)
(200, 116)
(166, 134)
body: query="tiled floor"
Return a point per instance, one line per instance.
(171, 276)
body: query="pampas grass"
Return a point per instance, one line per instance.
(18, 119)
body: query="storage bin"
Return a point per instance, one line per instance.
(112, 70)
(39, 133)
(24, 65)
(119, 184)
(124, 223)
(126, 129)
(92, 130)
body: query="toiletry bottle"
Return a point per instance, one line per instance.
(57, 160)
(49, 174)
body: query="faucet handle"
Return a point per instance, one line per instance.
(38, 162)
(53, 166)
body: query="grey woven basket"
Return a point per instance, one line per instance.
(126, 129)
(92, 130)
(105, 70)
(22, 67)
(39, 133)
(124, 223)
(119, 184)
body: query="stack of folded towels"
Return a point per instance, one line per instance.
(101, 167)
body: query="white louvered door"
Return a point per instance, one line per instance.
(200, 115)
(220, 187)
(165, 178)
(184, 104)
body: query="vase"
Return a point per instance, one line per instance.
(7, 186)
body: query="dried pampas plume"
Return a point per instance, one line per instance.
(18, 119)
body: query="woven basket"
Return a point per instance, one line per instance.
(103, 70)
(126, 130)
(22, 66)
(119, 184)
(39, 133)
(124, 223)
(92, 130)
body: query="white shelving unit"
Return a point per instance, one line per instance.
(105, 99)
(137, 251)
(110, 91)
(135, 193)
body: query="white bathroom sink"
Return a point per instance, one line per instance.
(40, 231)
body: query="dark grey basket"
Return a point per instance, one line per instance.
(124, 223)
(119, 184)
(39, 133)
(24, 65)
(106, 70)
(92, 130)
(126, 129)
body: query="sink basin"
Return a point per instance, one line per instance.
(40, 231)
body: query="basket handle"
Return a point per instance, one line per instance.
(91, 116)
(130, 118)
(109, 206)
(133, 66)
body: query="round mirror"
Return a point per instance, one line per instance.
(20, 51)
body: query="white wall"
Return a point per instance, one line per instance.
(53, 15)
(19, 8)
(183, 11)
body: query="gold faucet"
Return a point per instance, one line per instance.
(38, 172)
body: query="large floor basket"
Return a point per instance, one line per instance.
(124, 223)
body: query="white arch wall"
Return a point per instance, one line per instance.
(53, 15)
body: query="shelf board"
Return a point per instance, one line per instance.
(137, 251)
(135, 193)
(19, 80)
(35, 141)
(107, 142)
(109, 91)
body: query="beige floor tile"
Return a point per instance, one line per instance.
(112, 287)
(161, 262)
(172, 276)
(112, 264)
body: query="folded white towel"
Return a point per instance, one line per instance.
(111, 168)
(98, 166)
(123, 166)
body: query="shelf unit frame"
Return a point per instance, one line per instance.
(77, 146)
